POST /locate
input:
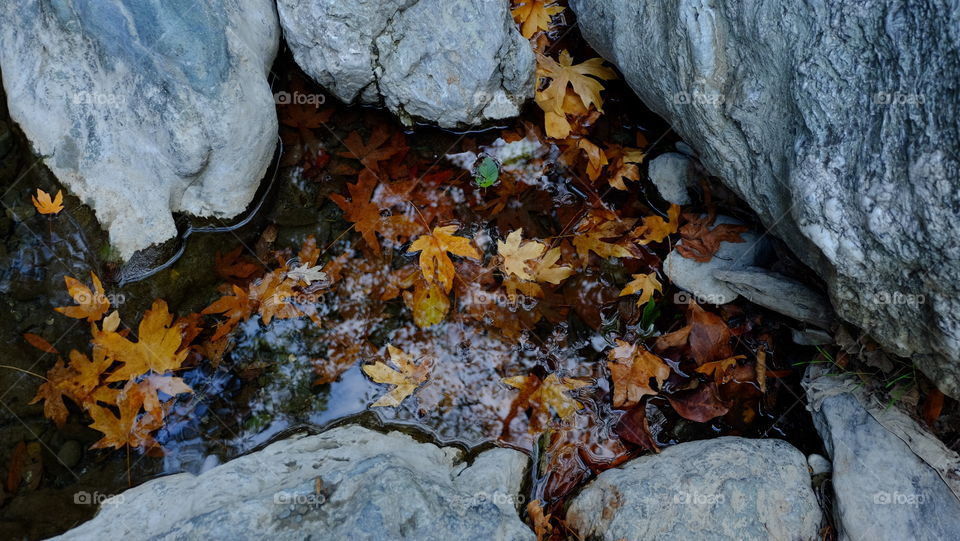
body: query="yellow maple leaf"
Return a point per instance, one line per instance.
(428, 302)
(45, 205)
(406, 377)
(720, 369)
(645, 284)
(655, 228)
(434, 261)
(597, 226)
(516, 256)
(157, 348)
(631, 368)
(91, 305)
(596, 158)
(581, 77)
(547, 270)
(534, 15)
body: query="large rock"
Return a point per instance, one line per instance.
(725, 488)
(828, 120)
(346, 483)
(890, 476)
(456, 63)
(145, 107)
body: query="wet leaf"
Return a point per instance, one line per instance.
(700, 242)
(45, 205)
(534, 15)
(551, 392)
(699, 405)
(40, 343)
(157, 347)
(583, 78)
(429, 304)
(645, 285)
(517, 257)
(406, 377)
(91, 305)
(656, 229)
(631, 369)
(434, 261)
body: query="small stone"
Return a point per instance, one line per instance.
(818, 464)
(70, 453)
(671, 173)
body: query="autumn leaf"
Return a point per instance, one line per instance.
(307, 275)
(597, 226)
(534, 16)
(655, 228)
(234, 266)
(516, 257)
(380, 147)
(623, 165)
(407, 376)
(549, 393)
(429, 304)
(547, 270)
(157, 348)
(699, 405)
(720, 370)
(596, 158)
(434, 261)
(151, 385)
(645, 284)
(631, 369)
(131, 428)
(52, 394)
(706, 334)
(91, 305)
(84, 385)
(360, 210)
(45, 205)
(541, 523)
(700, 242)
(40, 343)
(579, 76)
(236, 308)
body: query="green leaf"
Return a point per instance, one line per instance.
(487, 172)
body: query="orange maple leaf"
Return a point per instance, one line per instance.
(131, 428)
(236, 308)
(360, 210)
(434, 261)
(91, 305)
(157, 348)
(548, 393)
(45, 205)
(376, 149)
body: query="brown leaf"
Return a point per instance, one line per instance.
(700, 243)
(633, 427)
(700, 405)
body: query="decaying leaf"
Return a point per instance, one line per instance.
(516, 256)
(157, 347)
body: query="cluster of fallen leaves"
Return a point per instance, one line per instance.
(126, 382)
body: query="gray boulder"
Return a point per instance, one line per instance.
(891, 478)
(698, 277)
(347, 483)
(456, 63)
(144, 108)
(725, 488)
(836, 122)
